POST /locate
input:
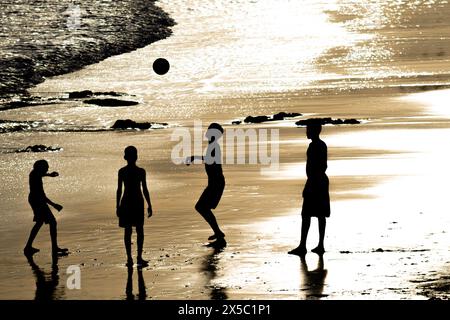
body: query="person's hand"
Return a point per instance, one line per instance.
(149, 212)
(57, 207)
(188, 161)
(53, 174)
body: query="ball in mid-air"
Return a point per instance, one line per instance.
(161, 66)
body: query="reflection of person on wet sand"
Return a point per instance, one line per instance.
(42, 213)
(142, 293)
(209, 267)
(130, 207)
(316, 199)
(216, 182)
(46, 285)
(313, 281)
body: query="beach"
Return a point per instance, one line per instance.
(387, 237)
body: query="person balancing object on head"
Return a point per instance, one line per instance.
(130, 206)
(216, 182)
(316, 199)
(42, 213)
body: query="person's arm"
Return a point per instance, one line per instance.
(53, 204)
(191, 159)
(146, 194)
(119, 192)
(51, 174)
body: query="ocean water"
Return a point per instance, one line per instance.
(42, 38)
(223, 50)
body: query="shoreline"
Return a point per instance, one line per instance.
(71, 37)
(387, 229)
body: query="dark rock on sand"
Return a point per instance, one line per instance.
(283, 115)
(256, 119)
(110, 93)
(109, 102)
(39, 148)
(324, 121)
(88, 94)
(80, 94)
(276, 117)
(130, 124)
(236, 122)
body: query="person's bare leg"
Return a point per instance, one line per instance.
(301, 249)
(320, 249)
(127, 240)
(54, 236)
(33, 233)
(140, 245)
(56, 250)
(207, 214)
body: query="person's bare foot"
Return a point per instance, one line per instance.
(60, 252)
(29, 251)
(142, 263)
(319, 250)
(215, 236)
(299, 251)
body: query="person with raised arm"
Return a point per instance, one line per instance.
(212, 194)
(42, 213)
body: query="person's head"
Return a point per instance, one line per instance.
(313, 130)
(41, 167)
(130, 154)
(214, 132)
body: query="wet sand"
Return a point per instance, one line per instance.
(385, 239)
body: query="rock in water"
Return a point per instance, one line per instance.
(276, 117)
(283, 115)
(256, 119)
(39, 148)
(80, 94)
(130, 124)
(108, 102)
(324, 121)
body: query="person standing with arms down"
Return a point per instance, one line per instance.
(42, 213)
(316, 198)
(130, 206)
(211, 196)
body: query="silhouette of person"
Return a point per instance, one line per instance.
(211, 196)
(46, 284)
(142, 293)
(130, 206)
(209, 266)
(313, 281)
(316, 199)
(42, 213)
